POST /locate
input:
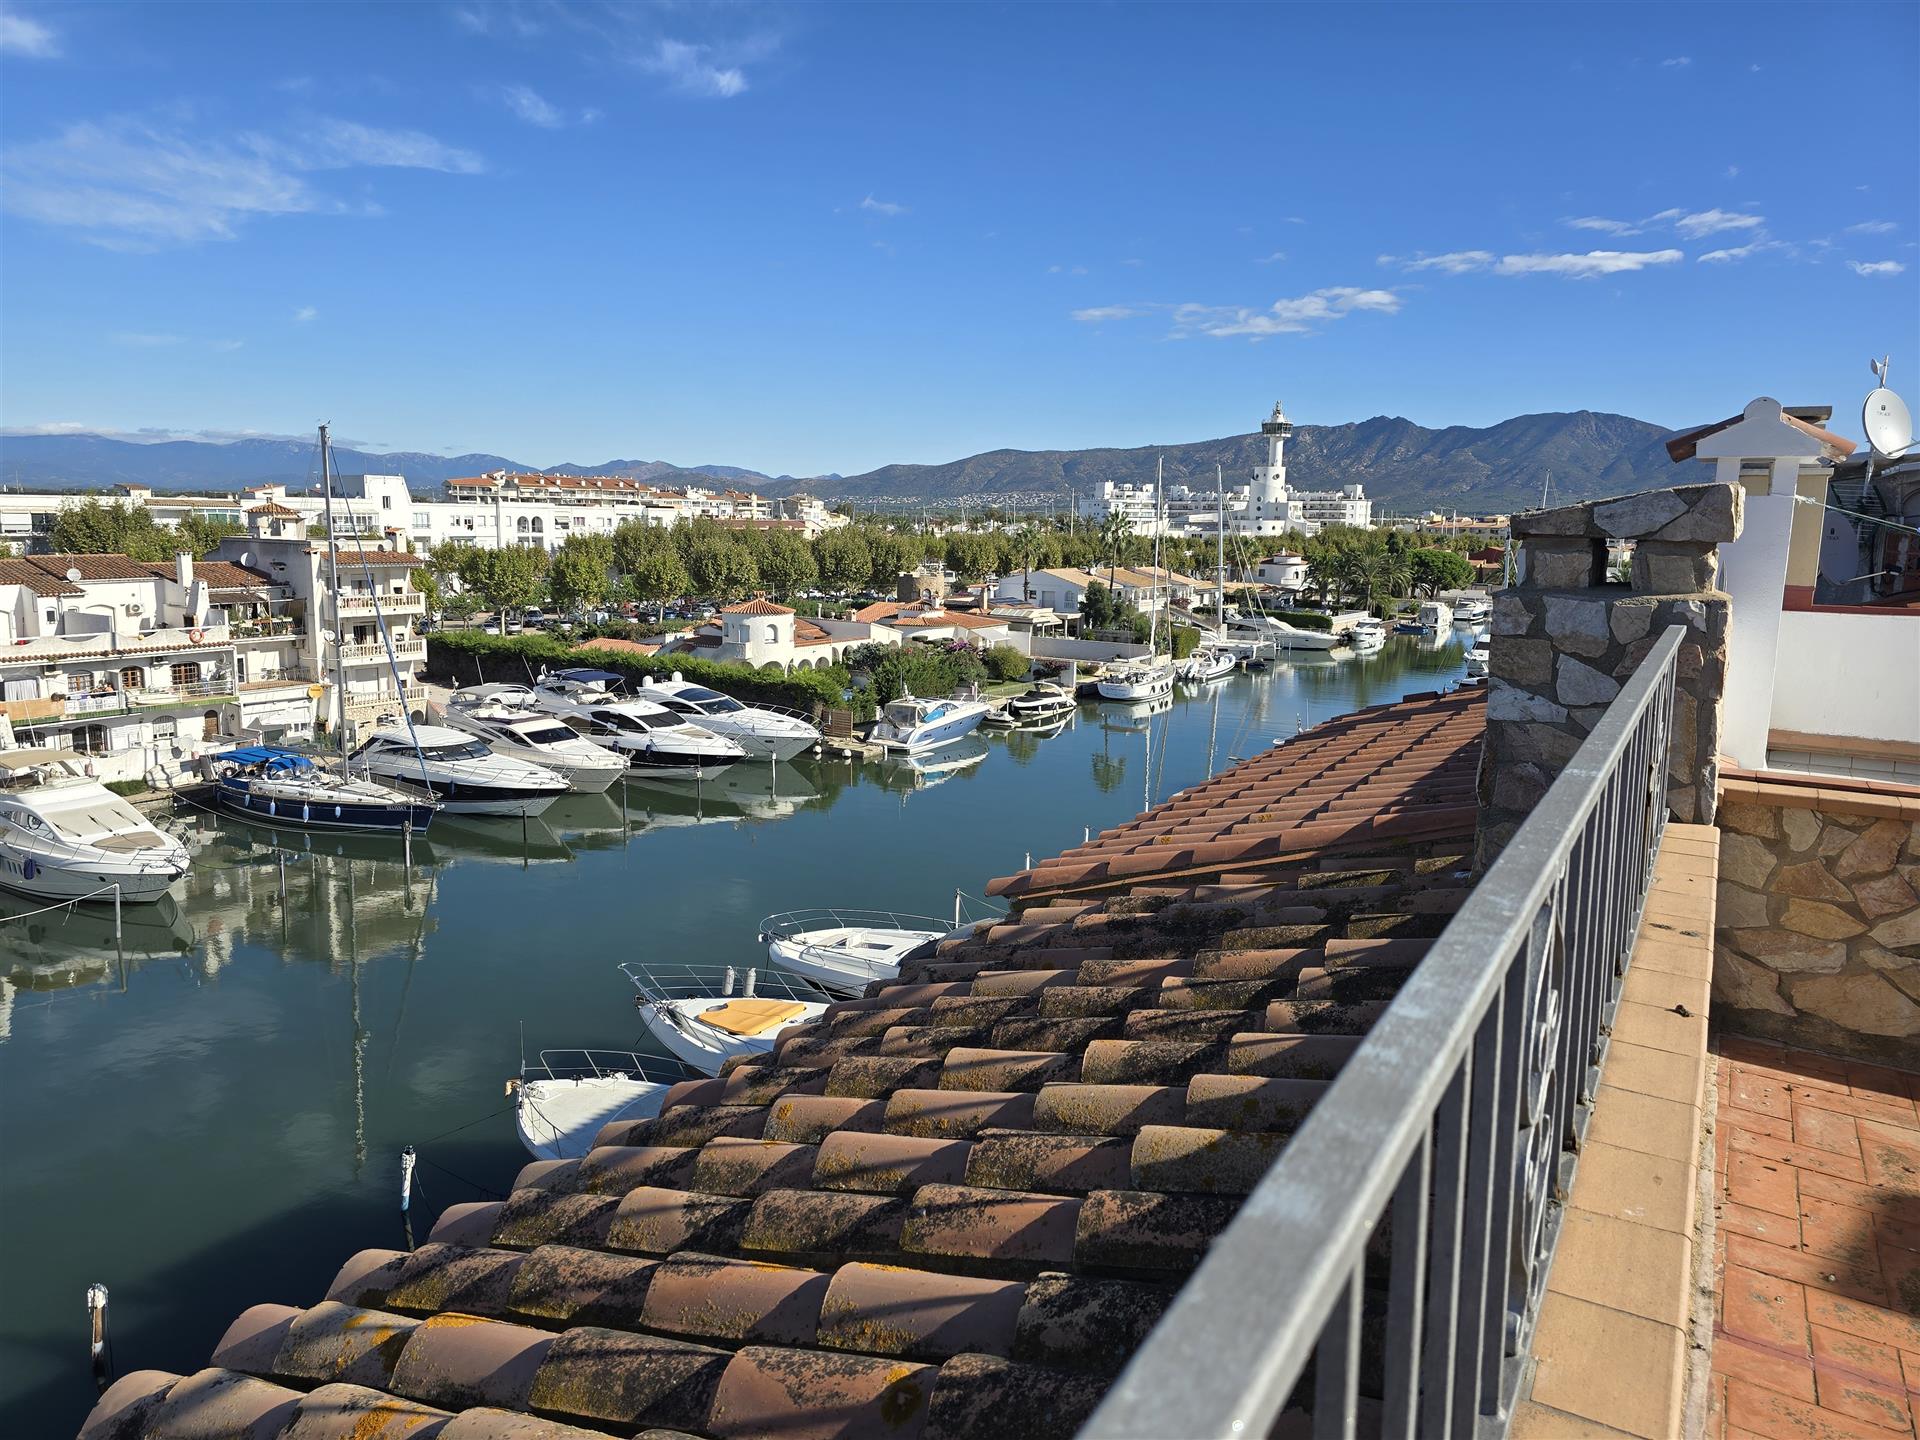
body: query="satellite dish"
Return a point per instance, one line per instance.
(1888, 425)
(327, 637)
(73, 573)
(246, 557)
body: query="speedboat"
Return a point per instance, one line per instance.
(1477, 659)
(647, 739)
(843, 950)
(458, 770)
(1368, 637)
(1138, 681)
(64, 836)
(764, 732)
(561, 1103)
(912, 724)
(1435, 616)
(283, 787)
(1045, 704)
(1207, 663)
(698, 1016)
(506, 718)
(1472, 612)
(1272, 631)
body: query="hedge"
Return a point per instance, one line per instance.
(1305, 619)
(470, 657)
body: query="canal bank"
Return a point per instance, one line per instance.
(217, 1116)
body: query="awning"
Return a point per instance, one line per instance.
(27, 759)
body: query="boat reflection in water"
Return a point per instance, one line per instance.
(77, 944)
(923, 770)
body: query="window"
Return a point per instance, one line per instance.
(132, 678)
(79, 683)
(185, 673)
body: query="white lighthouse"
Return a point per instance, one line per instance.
(1269, 507)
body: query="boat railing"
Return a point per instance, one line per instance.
(659, 985)
(1406, 1231)
(600, 1064)
(791, 924)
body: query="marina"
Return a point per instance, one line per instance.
(305, 1004)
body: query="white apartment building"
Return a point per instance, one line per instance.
(1266, 505)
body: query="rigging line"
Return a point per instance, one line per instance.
(494, 1115)
(386, 637)
(491, 1194)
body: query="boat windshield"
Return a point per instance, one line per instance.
(467, 750)
(623, 720)
(543, 734)
(712, 702)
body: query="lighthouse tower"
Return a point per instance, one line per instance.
(1269, 508)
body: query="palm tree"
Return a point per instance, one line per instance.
(1115, 531)
(1026, 544)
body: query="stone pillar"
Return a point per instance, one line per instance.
(1566, 638)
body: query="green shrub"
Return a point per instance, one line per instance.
(127, 787)
(1304, 619)
(468, 657)
(1185, 640)
(1004, 662)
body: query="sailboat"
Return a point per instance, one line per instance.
(1149, 677)
(1217, 657)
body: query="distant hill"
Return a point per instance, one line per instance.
(1403, 465)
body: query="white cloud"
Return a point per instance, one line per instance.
(1733, 172)
(1604, 225)
(1872, 227)
(1742, 252)
(882, 207)
(136, 183)
(1274, 259)
(21, 36)
(1585, 267)
(1454, 262)
(1713, 222)
(226, 344)
(304, 315)
(1296, 316)
(1875, 267)
(1066, 269)
(526, 103)
(1676, 62)
(144, 340)
(687, 69)
(1095, 314)
(1136, 262)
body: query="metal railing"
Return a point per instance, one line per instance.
(375, 650)
(404, 603)
(1425, 1189)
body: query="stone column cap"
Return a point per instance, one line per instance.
(1707, 514)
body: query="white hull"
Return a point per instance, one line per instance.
(69, 878)
(705, 1047)
(1207, 665)
(845, 958)
(959, 719)
(558, 1119)
(759, 747)
(1135, 690)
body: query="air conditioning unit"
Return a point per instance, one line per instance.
(134, 607)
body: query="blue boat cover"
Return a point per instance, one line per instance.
(271, 756)
(587, 677)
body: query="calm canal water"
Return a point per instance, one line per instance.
(212, 1116)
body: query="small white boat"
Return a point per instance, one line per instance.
(1207, 663)
(843, 950)
(507, 718)
(1045, 704)
(64, 836)
(1138, 682)
(1472, 612)
(561, 1102)
(1477, 659)
(458, 770)
(700, 1017)
(1368, 637)
(912, 724)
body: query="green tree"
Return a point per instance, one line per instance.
(889, 557)
(1115, 531)
(659, 577)
(1434, 570)
(634, 541)
(580, 572)
(970, 555)
(200, 536)
(507, 580)
(93, 527)
(786, 563)
(843, 559)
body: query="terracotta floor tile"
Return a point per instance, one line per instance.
(1825, 1130)
(1873, 1322)
(1801, 1157)
(1891, 1156)
(1869, 1359)
(1840, 1232)
(1815, 1069)
(1750, 1051)
(1910, 1367)
(1864, 1079)
(1882, 1204)
(1901, 1269)
(1716, 1428)
(1901, 1234)
(1875, 1404)
(1767, 1309)
(1738, 1219)
(1865, 1107)
(1748, 1088)
(1763, 1365)
(1762, 1183)
(1780, 1417)
(1755, 1125)
(1816, 1272)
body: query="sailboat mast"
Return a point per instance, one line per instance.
(333, 588)
(1159, 526)
(1220, 564)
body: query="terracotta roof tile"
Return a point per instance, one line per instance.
(759, 605)
(954, 1206)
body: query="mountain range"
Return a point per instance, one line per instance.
(1403, 466)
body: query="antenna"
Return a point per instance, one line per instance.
(1884, 417)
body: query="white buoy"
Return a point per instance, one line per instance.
(407, 1158)
(753, 978)
(97, 1352)
(726, 986)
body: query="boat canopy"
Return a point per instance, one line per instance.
(27, 759)
(271, 756)
(589, 677)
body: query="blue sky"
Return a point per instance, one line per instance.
(819, 238)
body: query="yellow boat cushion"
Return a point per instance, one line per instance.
(751, 1017)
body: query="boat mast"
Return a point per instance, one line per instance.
(1153, 599)
(1220, 565)
(333, 586)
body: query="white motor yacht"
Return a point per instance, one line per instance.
(1268, 630)
(506, 718)
(700, 1018)
(1045, 704)
(1137, 682)
(1368, 637)
(843, 950)
(764, 732)
(64, 836)
(1477, 659)
(561, 1103)
(1208, 663)
(912, 724)
(458, 770)
(649, 740)
(1472, 612)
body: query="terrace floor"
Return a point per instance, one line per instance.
(1817, 1247)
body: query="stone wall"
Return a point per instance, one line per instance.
(1565, 639)
(1818, 939)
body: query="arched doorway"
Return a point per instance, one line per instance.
(210, 725)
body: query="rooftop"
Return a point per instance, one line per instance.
(759, 605)
(951, 1208)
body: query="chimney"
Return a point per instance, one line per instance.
(1566, 637)
(183, 573)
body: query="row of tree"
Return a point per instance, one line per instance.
(95, 527)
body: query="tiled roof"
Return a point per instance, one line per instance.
(952, 1208)
(272, 508)
(41, 582)
(759, 605)
(618, 646)
(219, 574)
(1687, 444)
(351, 558)
(903, 616)
(805, 632)
(93, 567)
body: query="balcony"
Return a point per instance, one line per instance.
(50, 648)
(264, 629)
(410, 603)
(362, 706)
(374, 651)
